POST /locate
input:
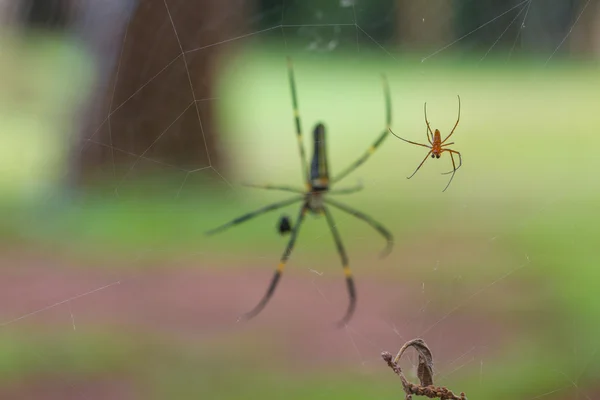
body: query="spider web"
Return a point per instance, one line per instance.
(314, 34)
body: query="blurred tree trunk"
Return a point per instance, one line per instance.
(547, 24)
(46, 14)
(424, 24)
(585, 38)
(160, 116)
(7, 12)
(488, 25)
(100, 25)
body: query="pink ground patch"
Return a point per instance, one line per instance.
(202, 305)
(57, 389)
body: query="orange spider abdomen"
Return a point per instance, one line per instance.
(436, 148)
(437, 138)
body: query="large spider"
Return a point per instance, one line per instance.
(315, 200)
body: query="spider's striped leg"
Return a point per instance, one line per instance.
(297, 121)
(363, 158)
(275, 280)
(388, 100)
(348, 190)
(282, 188)
(255, 213)
(347, 272)
(453, 167)
(378, 141)
(383, 231)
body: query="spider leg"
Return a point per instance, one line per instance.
(378, 141)
(388, 100)
(254, 213)
(349, 190)
(428, 127)
(275, 280)
(427, 133)
(378, 227)
(345, 266)
(422, 162)
(455, 125)
(459, 161)
(453, 166)
(297, 121)
(274, 187)
(408, 141)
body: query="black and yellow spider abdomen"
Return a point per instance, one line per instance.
(319, 170)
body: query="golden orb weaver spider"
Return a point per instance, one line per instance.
(437, 146)
(313, 199)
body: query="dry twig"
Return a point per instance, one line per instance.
(424, 372)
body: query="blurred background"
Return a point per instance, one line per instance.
(127, 127)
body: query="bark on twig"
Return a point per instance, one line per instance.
(424, 372)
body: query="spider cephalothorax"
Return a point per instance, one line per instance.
(314, 199)
(314, 202)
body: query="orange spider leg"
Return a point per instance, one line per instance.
(457, 121)
(453, 167)
(459, 161)
(428, 127)
(408, 141)
(447, 144)
(422, 162)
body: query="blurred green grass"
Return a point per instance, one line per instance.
(526, 191)
(156, 368)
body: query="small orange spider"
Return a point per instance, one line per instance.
(437, 146)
